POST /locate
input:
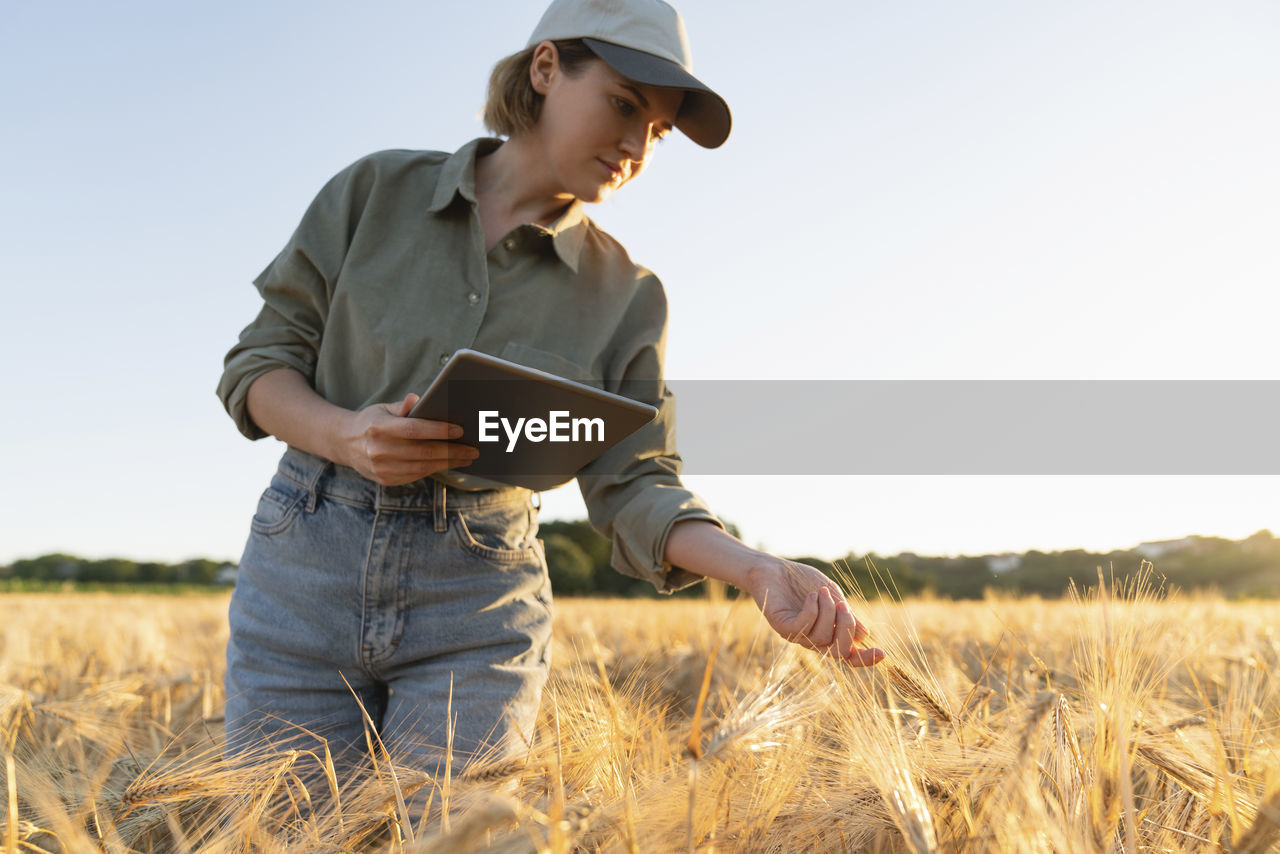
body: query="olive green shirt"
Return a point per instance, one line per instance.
(387, 275)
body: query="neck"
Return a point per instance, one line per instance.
(513, 184)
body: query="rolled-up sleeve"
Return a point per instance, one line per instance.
(296, 289)
(633, 491)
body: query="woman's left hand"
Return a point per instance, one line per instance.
(808, 608)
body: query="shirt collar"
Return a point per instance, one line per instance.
(567, 234)
(458, 178)
(458, 175)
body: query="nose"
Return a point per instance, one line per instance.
(637, 142)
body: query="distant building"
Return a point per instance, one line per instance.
(1003, 563)
(1160, 548)
(226, 574)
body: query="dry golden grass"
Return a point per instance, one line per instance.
(1122, 721)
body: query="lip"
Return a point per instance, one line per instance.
(615, 171)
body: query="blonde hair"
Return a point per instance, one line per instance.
(513, 105)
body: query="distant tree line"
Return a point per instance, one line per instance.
(578, 560)
(1237, 568)
(115, 570)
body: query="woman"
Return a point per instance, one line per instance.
(375, 561)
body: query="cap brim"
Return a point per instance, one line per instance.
(704, 116)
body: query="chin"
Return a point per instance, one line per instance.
(595, 195)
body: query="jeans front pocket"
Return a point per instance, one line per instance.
(278, 507)
(499, 532)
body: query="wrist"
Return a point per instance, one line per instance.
(762, 574)
(341, 433)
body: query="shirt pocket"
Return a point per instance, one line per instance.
(552, 363)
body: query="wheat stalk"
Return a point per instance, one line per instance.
(1065, 738)
(498, 771)
(1265, 830)
(801, 757)
(915, 689)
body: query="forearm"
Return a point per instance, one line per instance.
(706, 549)
(285, 405)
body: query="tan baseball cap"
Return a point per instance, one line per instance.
(643, 40)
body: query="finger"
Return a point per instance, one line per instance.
(846, 627)
(804, 619)
(864, 657)
(430, 452)
(396, 470)
(423, 428)
(415, 461)
(860, 631)
(465, 456)
(400, 449)
(824, 627)
(454, 454)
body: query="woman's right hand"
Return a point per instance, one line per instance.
(386, 446)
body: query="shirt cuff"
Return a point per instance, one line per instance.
(233, 389)
(641, 556)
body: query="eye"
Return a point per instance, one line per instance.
(657, 136)
(624, 106)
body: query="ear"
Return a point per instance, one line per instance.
(544, 66)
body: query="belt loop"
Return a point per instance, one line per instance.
(313, 489)
(438, 505)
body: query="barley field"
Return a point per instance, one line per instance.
(1124, 719)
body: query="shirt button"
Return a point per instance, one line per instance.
(473, 298)
(444, 358)
(510, 243)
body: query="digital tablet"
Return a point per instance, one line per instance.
(532, 428)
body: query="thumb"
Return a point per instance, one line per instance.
(406, 406)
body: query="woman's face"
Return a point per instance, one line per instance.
(597, 129)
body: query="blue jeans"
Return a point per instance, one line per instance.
(409, 593)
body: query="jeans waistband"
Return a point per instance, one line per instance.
(320, 476)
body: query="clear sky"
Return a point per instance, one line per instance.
(915, 190)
